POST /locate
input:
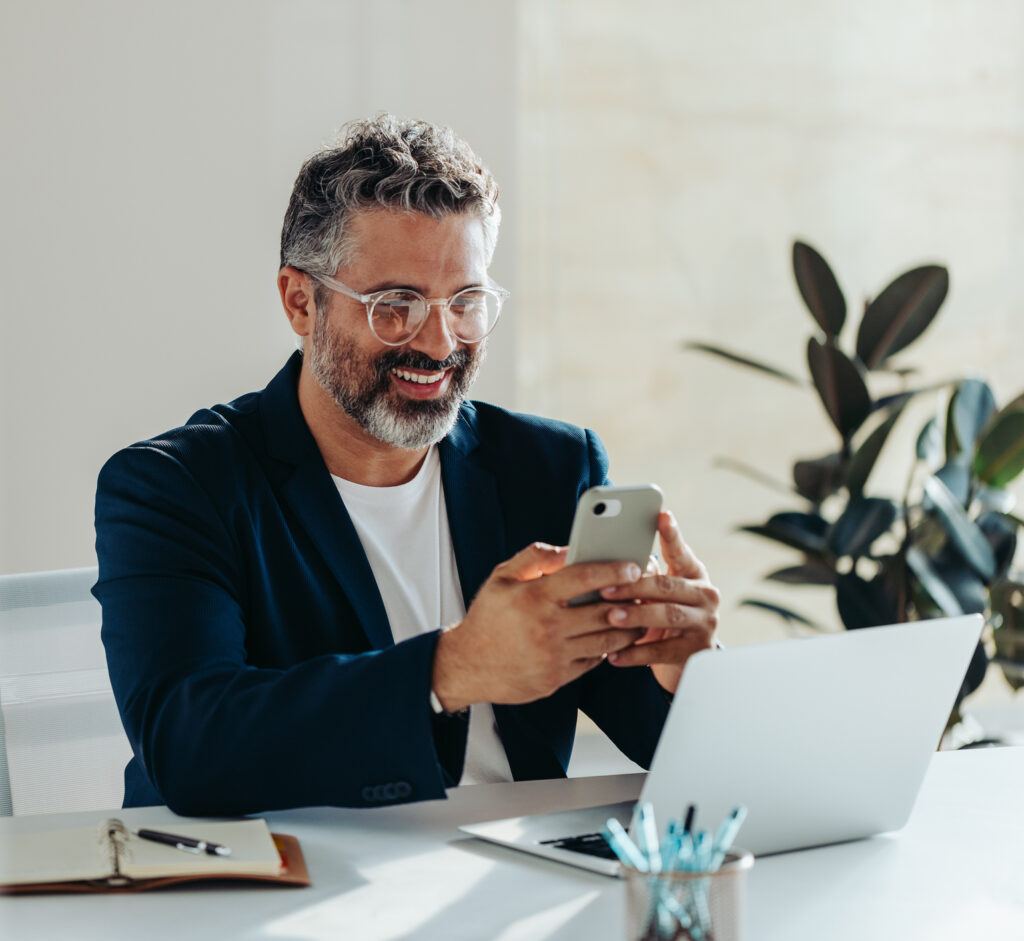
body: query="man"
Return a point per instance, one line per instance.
(350, 588)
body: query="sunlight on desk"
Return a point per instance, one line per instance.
(543, 924)
(452, 876)
(426, 894)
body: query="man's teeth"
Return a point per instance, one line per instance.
(424, 380)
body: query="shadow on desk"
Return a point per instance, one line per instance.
(544, 901)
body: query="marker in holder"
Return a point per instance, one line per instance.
(685, 887)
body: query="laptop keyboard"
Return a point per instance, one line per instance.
(592, 844)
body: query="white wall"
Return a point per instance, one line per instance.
(149, 150)
(646, 149)
(678, 149)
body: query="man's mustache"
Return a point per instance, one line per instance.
(413, 359)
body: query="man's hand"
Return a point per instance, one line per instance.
(520, 641)
(679, 610)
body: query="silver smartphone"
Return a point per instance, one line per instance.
(614, 524)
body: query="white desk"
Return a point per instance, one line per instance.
(955, 872)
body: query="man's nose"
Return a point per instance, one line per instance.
(434, 338)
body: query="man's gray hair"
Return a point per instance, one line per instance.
(382, 163)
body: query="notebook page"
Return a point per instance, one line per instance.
(83, 853)
(54, 856)
(252, 850)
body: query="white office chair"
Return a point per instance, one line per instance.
(62, 747)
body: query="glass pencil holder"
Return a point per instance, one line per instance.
(676, 905)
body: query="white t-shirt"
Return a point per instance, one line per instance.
(405, 534)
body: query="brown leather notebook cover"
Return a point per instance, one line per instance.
(293, 873)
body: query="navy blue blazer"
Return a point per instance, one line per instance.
(249, 650)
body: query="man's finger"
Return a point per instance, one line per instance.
(676, 649)
(599, 643)
(678, 555)
(666, 588)
(670, 616)
(531, 563)
(584, 577)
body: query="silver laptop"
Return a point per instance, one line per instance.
(824, 739)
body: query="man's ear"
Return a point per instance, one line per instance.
(296, 290)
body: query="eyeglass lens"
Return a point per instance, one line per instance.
(471, 315)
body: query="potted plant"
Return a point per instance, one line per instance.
(945, 545)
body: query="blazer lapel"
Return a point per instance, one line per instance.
(311, 494)
(474, 513)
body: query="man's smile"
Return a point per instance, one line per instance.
(419, 383)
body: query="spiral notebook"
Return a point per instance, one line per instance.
(110, 857)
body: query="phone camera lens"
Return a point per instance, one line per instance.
(599, 508)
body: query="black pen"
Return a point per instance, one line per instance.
(185, 843)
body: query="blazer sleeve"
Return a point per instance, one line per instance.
(213, 733)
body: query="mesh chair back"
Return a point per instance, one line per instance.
(62, 747)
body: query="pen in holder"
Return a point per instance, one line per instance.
(687, 906)
(685, 887)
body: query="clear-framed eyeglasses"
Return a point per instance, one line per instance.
(396, 315)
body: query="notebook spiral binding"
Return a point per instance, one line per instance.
(114, 833)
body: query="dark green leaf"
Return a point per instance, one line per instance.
(972, 406)
(1001, 534)
(840, 385)
(975, 675)
(1008, 605)
(932, 582)
(804, 531)
(862, 522)
(819, 288)
(783, 613)
(864, 604)
(929, 442)
(896, 399)
(812, 572)
(901, 398)
(893, 575)
(867, 454)
(818, 478)
(968, 589)
(951, 440)
(744, 361)
(1014, 404)
(1000, 454)
(901, 313)
(963, 531)
(957, 479)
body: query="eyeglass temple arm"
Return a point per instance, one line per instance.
(341, 288)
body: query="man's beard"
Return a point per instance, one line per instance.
(364, 390)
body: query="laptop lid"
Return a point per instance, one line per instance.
(825, 738)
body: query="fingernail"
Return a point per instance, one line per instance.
(633, 573)
(613, 658)
(618, 615)
(610, 592)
